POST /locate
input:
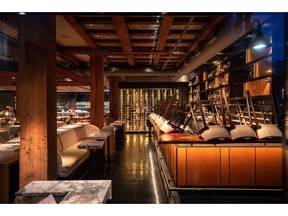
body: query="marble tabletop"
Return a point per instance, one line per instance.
(108, 128)
(8, 150)
(91, 144)
(74, 191)
(5, 134)
(102, 135)
(118, 123)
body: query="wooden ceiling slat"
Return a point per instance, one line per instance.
(116, 50)
(69, 83)
(94, 20)
(123, 33)
(73, 50)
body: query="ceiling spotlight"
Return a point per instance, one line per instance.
(212, 37)
(198, 51)
(259, 41)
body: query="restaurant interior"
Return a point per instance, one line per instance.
(150, 107)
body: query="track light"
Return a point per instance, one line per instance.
(212, 37)
(198, 51)
(259, 41)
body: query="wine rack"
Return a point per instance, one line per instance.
(136, 104)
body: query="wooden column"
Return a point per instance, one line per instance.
(113, 97)
(36, 90)
(97, 90)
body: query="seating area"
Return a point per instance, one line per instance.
(69, 157)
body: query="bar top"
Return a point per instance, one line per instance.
(75, 192)
(179, 138)
(102, 135)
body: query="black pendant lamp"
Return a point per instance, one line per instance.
(259, 42)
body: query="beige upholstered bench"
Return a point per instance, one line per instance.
(69, 157)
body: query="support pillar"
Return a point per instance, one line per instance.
(113, 97)
(97, 90)
(36, 91)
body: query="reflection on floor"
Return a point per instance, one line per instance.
(135, 173)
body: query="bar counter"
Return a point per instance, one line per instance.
(193, 162)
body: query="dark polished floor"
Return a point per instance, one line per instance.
(134, 173)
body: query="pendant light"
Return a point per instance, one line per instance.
(259, 42)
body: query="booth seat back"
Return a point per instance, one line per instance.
(86, 130)
(67, 139)
(108, 121)
(59, 144)
(92, 129)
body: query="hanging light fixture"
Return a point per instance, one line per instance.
(259, 42)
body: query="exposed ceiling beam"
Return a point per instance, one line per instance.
(80, 30)
(94, 20)
(165, 28)
(208, 29)
(69, 83)
(70, 58)
(6, 81)
(8, 74)
(85, 50)
(72, 76)
(123, 33)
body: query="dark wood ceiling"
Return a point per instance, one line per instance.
(163, 41)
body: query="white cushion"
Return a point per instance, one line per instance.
(215, 132)
(242, 131)
(166, 128)
(269, 131)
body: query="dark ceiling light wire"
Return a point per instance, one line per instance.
(157, 32)
(259, 42)
(178, 41)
